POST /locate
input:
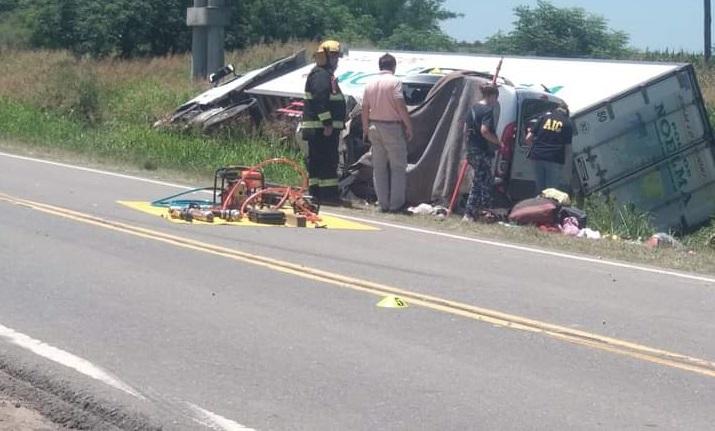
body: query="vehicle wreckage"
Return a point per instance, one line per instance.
(642, 134)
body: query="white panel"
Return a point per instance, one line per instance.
(580, 83)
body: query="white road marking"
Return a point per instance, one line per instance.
(65, 358)
(532, 250)
(403, 227)
(214, 421)
(94, 171)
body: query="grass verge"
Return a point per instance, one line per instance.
(136, 146)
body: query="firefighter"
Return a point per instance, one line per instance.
(323, 119)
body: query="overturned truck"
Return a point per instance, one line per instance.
(642, 134)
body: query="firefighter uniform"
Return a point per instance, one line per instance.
(324, 106)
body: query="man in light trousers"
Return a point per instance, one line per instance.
(387, 127)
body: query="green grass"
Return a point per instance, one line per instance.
(136, 144)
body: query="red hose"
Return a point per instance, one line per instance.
(457, 187)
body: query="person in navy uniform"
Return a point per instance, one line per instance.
(548, 139)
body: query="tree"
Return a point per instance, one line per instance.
(406, 24)
(547, 30)
(130, 28)
(124, 28)
(408, 38)
(417, 27)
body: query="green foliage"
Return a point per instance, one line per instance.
(547, 30)
(411, 39)
(118, 27)
(129, 28)
(623, 220)
(14, 33)
(390, 23)
(8, 5)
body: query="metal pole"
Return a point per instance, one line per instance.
(708, 30)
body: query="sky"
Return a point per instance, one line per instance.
(652, 24)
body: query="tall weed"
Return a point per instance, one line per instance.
(623, 220)
(72, 89)
(703, 238)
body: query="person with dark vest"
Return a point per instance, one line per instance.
(548, 139)
(324, 113)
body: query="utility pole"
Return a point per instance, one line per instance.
(207, 18)
(708, 31)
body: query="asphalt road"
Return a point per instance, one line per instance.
(192, 328)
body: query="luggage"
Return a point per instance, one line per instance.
(536, 211)
(580, 215)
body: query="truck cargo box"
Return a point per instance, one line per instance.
(651, 145)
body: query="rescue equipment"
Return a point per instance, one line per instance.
(242, 191)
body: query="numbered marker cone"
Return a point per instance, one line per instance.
(392, 302)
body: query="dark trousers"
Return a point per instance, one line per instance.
(480, 196)
(323, 165)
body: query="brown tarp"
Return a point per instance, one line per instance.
(435, 152)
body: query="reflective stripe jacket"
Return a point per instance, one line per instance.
(324, 102)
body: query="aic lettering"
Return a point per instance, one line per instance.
(553, 125)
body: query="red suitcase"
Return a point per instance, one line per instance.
(536, 211)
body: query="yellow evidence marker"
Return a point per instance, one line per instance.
(392, 302)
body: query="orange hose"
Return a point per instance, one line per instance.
(291, 194)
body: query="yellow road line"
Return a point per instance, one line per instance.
(570, 335)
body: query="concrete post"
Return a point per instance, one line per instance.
(215, 39)
(207, 19)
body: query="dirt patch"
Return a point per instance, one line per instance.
(60, 404)
(14, 416)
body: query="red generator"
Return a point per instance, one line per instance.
(234, 184)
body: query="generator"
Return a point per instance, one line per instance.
(233, 185)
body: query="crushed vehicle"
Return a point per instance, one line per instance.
(642, 133)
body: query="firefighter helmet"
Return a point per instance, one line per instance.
(325, 48)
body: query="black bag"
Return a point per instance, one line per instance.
(266, 216)
(574, 212)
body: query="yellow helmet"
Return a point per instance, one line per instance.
(325, 48)
(329, 46)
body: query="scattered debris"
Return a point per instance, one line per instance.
(663, 240)
(427, 209)
(589, 233)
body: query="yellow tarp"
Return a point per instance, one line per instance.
(329, 222)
